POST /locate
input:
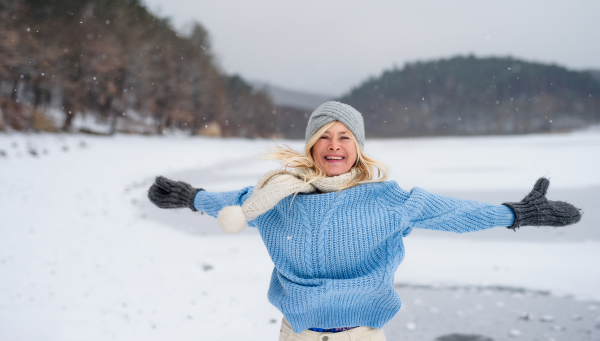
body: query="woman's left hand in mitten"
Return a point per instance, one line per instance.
(166, 193)
(536, 210)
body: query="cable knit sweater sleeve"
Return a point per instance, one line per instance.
(213, 202)
(421, 209)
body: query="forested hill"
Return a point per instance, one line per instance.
(469, 95)
(115, 62)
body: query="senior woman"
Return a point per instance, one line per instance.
(333, 226)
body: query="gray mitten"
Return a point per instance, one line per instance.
(536, 210)
(166, 193)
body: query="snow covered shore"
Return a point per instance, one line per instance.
(83, 255)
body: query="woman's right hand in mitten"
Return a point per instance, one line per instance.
(536, 210)
(166, 193)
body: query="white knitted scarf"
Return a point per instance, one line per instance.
(271, 188)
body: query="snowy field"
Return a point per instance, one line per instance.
(85, 256)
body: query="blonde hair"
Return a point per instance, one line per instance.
(367, 168)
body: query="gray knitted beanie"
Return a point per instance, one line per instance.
(336, 111)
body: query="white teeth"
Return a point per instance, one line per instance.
(333, 157)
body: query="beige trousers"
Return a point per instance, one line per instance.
(354, 334)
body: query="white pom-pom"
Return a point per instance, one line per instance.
(232, 219)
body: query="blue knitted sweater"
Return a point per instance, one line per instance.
(335, 254)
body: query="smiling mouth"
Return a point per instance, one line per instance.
(334, 157)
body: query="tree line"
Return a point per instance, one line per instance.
(117, 63)
(469, 95)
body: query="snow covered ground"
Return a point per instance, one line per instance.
(84, 256)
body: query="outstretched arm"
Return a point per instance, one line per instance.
(439, 212)
(166, 193)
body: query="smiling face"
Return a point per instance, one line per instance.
(335, 151)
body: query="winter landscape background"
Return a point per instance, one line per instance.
(98, 97)
(84, 255)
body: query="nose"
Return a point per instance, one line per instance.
(334, 145)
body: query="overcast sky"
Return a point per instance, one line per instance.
(330, 46)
